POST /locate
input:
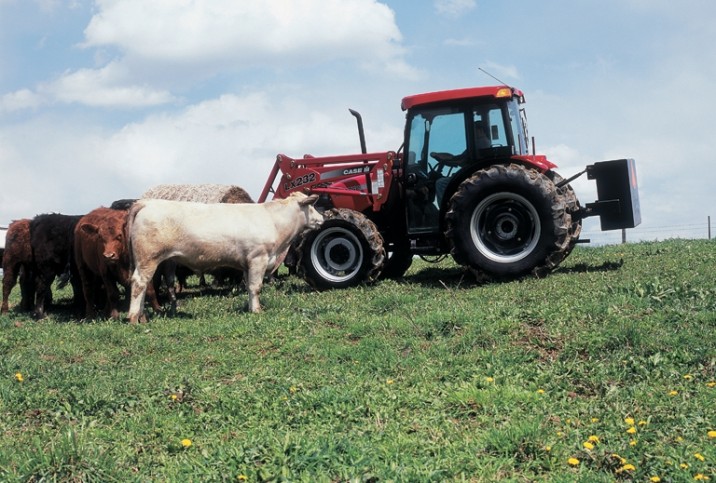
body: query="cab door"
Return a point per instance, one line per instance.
(437, 144)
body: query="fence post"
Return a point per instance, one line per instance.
(709, 221)
(623, 236)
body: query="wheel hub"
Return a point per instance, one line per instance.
(339, 254)
(505, 227)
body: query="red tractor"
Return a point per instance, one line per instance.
(463, 183)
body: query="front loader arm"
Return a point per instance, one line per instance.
(356, 181)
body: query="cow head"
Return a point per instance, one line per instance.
(313, 217)
(111, 238)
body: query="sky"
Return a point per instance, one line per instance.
(103, 99)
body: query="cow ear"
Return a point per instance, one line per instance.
(309, 201)
(89, 228)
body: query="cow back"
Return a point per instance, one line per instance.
(52, 239)
(17, 244)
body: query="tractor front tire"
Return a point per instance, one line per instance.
(507, 221)
(345, 251)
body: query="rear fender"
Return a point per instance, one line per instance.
(538, 161)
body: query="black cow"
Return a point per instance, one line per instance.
(52, 241)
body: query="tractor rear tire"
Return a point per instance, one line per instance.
(572, 206)
(345, 251)
(506, 221)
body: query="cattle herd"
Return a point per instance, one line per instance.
(138, 244)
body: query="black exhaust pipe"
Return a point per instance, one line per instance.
(361, 132)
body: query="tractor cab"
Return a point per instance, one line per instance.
(448, 135)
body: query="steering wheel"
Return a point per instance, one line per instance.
(448, 159)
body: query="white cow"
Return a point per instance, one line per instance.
(249, 237)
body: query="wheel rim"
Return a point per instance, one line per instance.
(336, 254)
(505, 227)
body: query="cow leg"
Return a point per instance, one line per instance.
(88, 284)
(153, 299)
(168, 269)
(8, 282)
(27, 287)
(112, 292)
(141, 278)
(254, 281)
(44, 279)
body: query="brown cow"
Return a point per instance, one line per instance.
(102, 255)
(17, 261)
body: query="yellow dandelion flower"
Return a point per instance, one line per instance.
(540, 391)
(593, 439)
(631, 430)
(242, 478)
(490, 379)
(621, 460)
(595, 420)
(588, 446)
(688, 377)
(701, 477)
(679, 439)
(642, 423)
(548, 448)
(627, 467)
(629, 421)
(632, 442)
(293, 389)
(699, 457)
(174, 397)
(684, 466)
(19, 378)
(389, 381)
(673, 393)
(186, 442)
(711, 434)
(711, 384)
(573, 461)
(655, 479)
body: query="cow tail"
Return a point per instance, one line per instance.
(133, 210)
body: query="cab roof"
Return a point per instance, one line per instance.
(458, 94)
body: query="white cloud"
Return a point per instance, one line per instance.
(247, 33)
(148, 49)
(454, 8)
(231, 139)
(105, 87)
(18, 100)
(74, 166)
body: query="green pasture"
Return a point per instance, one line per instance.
(603, 371)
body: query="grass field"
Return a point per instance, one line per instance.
(602, 371)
